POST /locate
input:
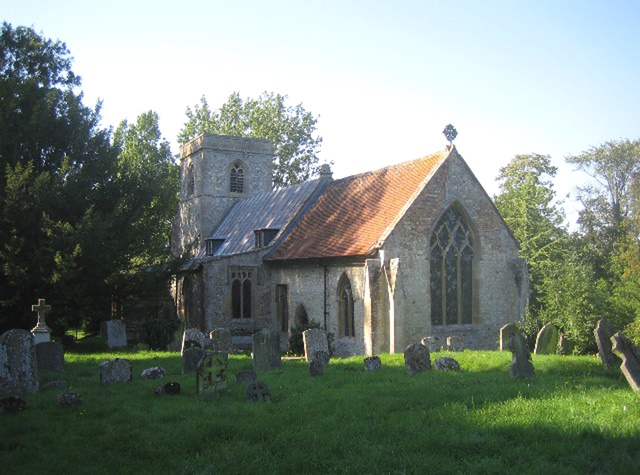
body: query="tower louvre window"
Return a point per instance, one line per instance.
(236, 178)
(191, 181)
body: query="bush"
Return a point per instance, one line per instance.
(296, 342)
(158, 332)
(632, 331)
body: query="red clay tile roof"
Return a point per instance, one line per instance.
(354, 213)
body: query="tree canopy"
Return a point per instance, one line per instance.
(290, 128)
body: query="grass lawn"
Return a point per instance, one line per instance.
(575, 417)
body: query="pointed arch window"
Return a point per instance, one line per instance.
(451, 270)
(191, 180)
(346, 325)
(236, 178)
(241, 296)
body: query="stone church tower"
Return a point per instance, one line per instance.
(215, 172)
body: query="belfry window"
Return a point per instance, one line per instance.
(241, 297)
(451, 270)
(346, 325)
(236, 178)
(191, 180)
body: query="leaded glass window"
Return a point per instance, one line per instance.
(241, 297)
(236, 178)
(346, 325)
(451, 270)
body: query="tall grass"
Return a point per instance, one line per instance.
(574, 417)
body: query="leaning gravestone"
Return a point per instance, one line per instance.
(266, 350)
(211, 376)
(257, 391)
(18, 364)
(506, 333)
(314, 339)
(603, 333)
(117, 370)
(432, 343)
(221, 340)
(630, 355)
(521, 365)
(547, 340)
(446, 363)
(191, 358)
(454, 343)
(50, 357)
(416, 358)
(115, 333)
(372, 363)
(192, 338)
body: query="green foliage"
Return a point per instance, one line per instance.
(291, 129)
(632, 331)
(296, 340)
(158, 332)
(549, 425)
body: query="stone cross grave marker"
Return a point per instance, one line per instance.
(211, 376)
(266, 350)
(18, 364)
(603, 333)
(257, 391)
(630, 355)
(547, 340)
(115, 333)
(506, 333)
(521, 365)
(314, 339)
(50, 357)
(416, 358)
(41, 332)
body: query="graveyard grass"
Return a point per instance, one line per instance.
(574, 417)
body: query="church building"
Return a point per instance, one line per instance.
(380, 259)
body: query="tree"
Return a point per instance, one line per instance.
(291, 129)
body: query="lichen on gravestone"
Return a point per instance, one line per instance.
(416, 358)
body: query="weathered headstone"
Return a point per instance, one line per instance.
(603, 333)
(316, 368)
(372, 363)
(18, 364)
(192, 338)
(221, 340)
(115, 333)
(314, 339)
(322, 357)
(454, 343)
(170, 388)
(521, 365)
(257, 391)
(630, 355)
(565, 345)
(446, 363)
(12, 404)
(69, 399)
(191, 358)
(506, 333)
(416, 358)
(153, 373)
(57, 384)
(245, 377)
(432, 343)
(50, 357)
(117, 370)
(547, 340)
(41, 332)
(211, 377)
(266, 350)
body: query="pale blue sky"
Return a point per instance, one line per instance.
(553, 77)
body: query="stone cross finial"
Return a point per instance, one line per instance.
(450, 133)
(42, 309)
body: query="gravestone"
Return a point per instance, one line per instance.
(446, 363)
(547, 340)
(245, 377)
(117, 370)
(170, 388)
(211, 376)
(257, 391)
(41, 332)
(603, 333)
(630, 355)
(432, 343)
(18, 364)
(115, 333)
(192, 338)
(191, 358)
(372, 363)
(153, 373)
(565, 346)
(322, 357)
(454, 343)
(314, 339)
(416, 358)
(174, 346)
(69, 399)
(506, 333)
(50, 357)
(521, 365)
(221, 339)
(266, 350)
(316, 368)
(12, 404)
